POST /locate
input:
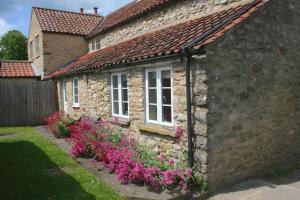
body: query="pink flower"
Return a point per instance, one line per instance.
(161, 158)
(189, 173)
(171, 162)
(179, 133)
(89, 139)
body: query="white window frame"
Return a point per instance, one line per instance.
(75, 104)
(64, 93)
(159, 97)
(120, 102)
(95, 43)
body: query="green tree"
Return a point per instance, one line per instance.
(13, 46)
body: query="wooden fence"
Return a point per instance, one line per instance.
(26, 102)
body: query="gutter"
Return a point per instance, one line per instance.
(187, 53)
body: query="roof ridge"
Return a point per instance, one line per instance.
(177, 24)
(165, 42)
(117, 10)
(131, 15)
(104, 17)
(66, 11)
(208, 14)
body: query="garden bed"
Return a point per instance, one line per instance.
(131, 191)
(115, 153)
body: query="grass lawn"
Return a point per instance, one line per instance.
(32, 168)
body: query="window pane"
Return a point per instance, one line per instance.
(76, 91)
(98, 40)
(76, 99)
(167, 114)
(75, 82)
(166, 78)
(124, 95)
(116, 108)
(98, 46)
(93, 45)
(152, 79)
(65, 91)
(125, 109)
(115, 95)
(153, 112)
(124, 81)
(152, 96)
(115, 81)
(166, 96)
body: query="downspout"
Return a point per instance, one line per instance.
(189, 106)
(187, 54)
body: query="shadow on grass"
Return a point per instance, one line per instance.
(26, 173)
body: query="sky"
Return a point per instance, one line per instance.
(15, 14)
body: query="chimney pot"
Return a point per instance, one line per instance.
(95, 10)
(81, 10)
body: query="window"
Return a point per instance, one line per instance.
(119, 92)
(37, 45)
(159, 96)
(30, 50)
(95, 44)
(65, 98)
(75, 93)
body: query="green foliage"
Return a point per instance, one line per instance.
(149, 158)
(200, 183)
(63, 130)
(115, 136)
(13, 46)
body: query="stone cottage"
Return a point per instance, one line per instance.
(225, 71)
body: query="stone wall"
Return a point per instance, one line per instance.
(254, 95)
(171, 14)
(95, 101)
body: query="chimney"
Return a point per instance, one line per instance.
(95, 10)
(81, 10)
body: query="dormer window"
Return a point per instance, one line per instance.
(94, 44)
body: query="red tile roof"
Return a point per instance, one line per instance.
(133, 9)
(163, 42)
(16, 69)
(59, 21)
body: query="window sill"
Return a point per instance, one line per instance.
(76, 107)
(120, 121)
(156, 129)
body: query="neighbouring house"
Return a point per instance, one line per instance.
(56, 37)
(225, 71)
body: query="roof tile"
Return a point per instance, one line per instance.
(60, 21)
(127, 12)
(16, 69)
(163, 42)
